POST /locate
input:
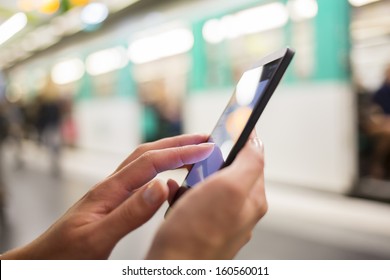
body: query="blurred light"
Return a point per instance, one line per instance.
(249, 21)
(106, 61)
(302, 9)
(79, 2)
(262, 18)
(49, 6)
(67, 71)
(213, 31)
(165, 44)
(12, 26)
(229, 24)
(358, 3)
(14, 93)
(94, 13)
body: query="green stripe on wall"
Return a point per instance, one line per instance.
(125, 86)
(332, 40)
(197, 75)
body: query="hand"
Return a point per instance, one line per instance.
(216, 218)
(121, 203)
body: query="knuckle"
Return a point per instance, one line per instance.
(148, 157)
(79, 236)
(141, 149)
(92, 195)
(257, 164)
(179, 152)
(256, 161)
(264, 208)
(248, 237)
(127, 214)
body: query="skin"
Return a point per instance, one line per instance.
(215, 219)
(226, 207)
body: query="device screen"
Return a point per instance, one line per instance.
(247, 94)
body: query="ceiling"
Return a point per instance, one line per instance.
(49, 29)
(6, 4)
(7, 8)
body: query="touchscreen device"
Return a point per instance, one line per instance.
(251, 95)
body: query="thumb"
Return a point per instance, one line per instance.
(136, 210)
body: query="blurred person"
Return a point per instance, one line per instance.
(68, 124)
(16, 121)
(212, 221)
(49, 117)
(379, 130)
(30, 112)
(164, 108)
(382, 95)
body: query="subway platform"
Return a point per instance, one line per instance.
(301, 223)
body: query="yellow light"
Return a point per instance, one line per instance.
(49, 6)
(79, 2)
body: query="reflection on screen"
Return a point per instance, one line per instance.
(230, 125)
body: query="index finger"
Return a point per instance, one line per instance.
(147, 166)
(170, 142)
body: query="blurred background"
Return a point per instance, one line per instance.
(83, 82)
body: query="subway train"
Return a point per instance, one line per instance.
(171, 67)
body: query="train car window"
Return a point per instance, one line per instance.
(160, 93)
(104, 85)
(227, 60)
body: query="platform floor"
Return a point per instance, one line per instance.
(301, 223)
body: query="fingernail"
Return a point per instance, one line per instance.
(152, 194)
(207, 145)
(257, 143)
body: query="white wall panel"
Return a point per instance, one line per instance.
(309, 133)
(108, 124)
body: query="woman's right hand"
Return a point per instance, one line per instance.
(216, 218)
